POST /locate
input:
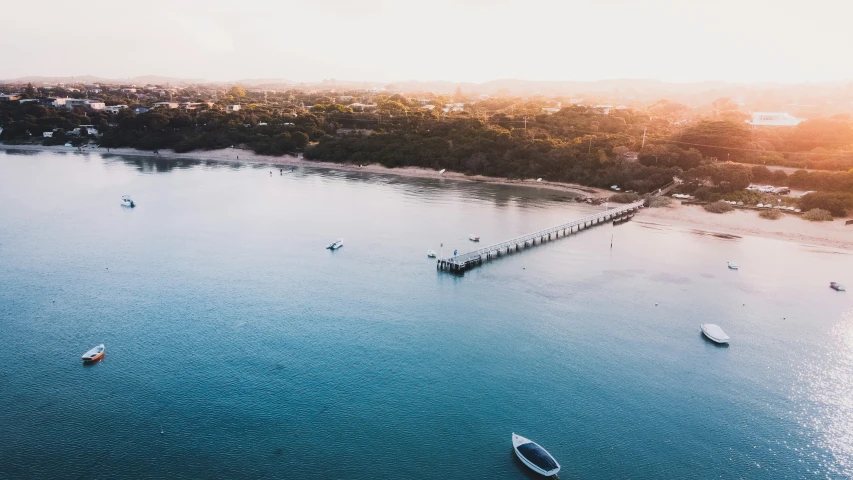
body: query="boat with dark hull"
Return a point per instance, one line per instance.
(534, 456)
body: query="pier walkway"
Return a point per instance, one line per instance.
(466, 261)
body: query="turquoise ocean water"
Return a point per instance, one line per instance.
(259, 354)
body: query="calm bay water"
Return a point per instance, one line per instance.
(261, 355)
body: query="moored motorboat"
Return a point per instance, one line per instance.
(473, 238)
(336, 244)
(95, 354)
(441, 172)
(733, 265)
(837, 287)
(126, 201)
(714, 332)
(431, 253)
(534, 456)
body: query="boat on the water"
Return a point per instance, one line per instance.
(534, 456)
(714, 332)
(473, 238)
(837, 287)
(336, 244)
(126, 201)
(431, 253)
(94, 354)
(732, 265)
(441, 172)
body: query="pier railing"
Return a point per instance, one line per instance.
(460, 263)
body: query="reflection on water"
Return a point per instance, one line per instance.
(429, 189)
(827, 382)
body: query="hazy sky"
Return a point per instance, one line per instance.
(461, 40)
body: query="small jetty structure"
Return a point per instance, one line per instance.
(460, 263)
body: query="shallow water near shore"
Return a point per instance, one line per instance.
(259, 354)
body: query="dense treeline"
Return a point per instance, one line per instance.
(820, 144)
(497, 137)
(479, 148)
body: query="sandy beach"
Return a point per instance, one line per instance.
(747, 223)
(739, 223)
(248, 156)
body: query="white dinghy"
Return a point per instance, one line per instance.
(714, 332)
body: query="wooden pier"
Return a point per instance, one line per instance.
(460, 263)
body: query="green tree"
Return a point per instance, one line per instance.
(299, 139)
(720, 139)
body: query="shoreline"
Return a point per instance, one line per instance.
(743, 223)
(738, 223)
(236, 155)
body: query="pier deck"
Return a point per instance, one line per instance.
(466, 261)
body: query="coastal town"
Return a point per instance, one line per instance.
(724, 154)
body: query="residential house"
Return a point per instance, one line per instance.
(84, 103)
(55, 102)
(601, 109)
(139, 110)
(774, 119)
(195, 105)
(453, 107)
(47, 134)
(550, 110)
(128, 90)
(166, 105)
(9, 97)
(90, 129)
(115, 108)
(232, 108)
(362, 107)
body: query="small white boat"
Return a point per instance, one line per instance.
(126, 201)
(538, 179)
(837, 287)
(431, 253)
(94, 354)
(732, 265)
(336, 244)
(714, 332)
(441, 172)
(534, 456)
(473, 238)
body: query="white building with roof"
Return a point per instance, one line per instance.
(114, 108)
(774, 119)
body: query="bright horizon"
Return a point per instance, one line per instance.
(459, 41)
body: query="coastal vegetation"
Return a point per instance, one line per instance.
(718, 207)
(770, 214)
(637, 149)
(624, 197)
(657, 202)
(818, 215)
